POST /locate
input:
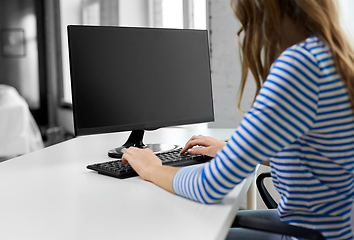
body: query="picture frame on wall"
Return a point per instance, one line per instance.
(13, 42)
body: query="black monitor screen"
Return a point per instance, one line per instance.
(126, 78)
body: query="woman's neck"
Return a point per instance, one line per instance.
(291, 34)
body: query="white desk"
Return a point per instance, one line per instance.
(49, 194)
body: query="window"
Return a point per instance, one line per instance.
(172, 14)
(138, 13)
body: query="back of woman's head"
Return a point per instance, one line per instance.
(261, 31)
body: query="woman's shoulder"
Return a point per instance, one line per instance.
(311, 43)
(301, 61)
(312, 49)
(309, 53)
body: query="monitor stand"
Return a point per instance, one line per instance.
(136, 139)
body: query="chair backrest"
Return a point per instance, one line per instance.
(266, 197)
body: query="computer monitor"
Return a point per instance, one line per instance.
(136, 79)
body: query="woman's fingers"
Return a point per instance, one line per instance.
(194, 141)
(208, 146)
(129, 155)
(199, 150)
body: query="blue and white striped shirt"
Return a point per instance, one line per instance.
(302, 121)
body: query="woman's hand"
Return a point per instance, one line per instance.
(209, 146)
(149, 167)
(143, 161)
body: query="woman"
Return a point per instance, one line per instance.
(302, 120)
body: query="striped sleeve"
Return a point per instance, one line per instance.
(284, 110)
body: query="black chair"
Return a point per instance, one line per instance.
(273, 227)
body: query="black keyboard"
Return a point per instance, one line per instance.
(172, 158)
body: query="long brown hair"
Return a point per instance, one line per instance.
(261, 30)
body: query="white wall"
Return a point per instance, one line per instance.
(226, 66)
(347, 16)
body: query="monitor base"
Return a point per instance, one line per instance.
(136, 140)
(156, 148)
